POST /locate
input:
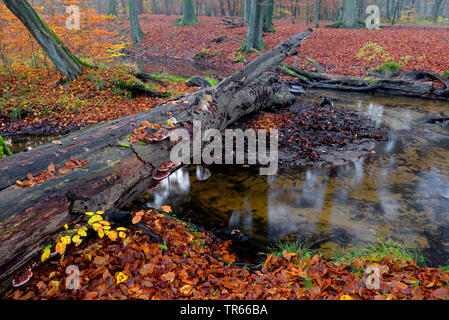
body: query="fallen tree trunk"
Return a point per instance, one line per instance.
(417, 84)
(116, 173)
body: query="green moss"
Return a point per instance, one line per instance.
(444, 268)
(4, 150)
(244, 49)
(169, 78)
(213, 82)
(240, 58)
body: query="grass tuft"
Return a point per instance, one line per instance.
(379, 250)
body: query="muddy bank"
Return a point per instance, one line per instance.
(318, 134)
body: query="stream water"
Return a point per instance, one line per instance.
(401, 191)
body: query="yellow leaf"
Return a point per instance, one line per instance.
(89, 213)
(112, 235)
(122, 235)
(101, 233)
(100, 212)
(126, 241)
(66, 240)
(46, 254)
(346, 297)
(121, 229)
(94, 219)
(60, 248)
(82, 233)
(121, 277)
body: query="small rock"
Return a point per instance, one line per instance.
(197, 82)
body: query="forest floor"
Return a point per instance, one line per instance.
(414, 47)
(193, 264)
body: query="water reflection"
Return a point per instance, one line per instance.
(401, 192)
(19, 143)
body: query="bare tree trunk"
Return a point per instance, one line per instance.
(188, 13)
(112, 7)
(255, 25)
(136, 31)
(349, 14)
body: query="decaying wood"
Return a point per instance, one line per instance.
(116, 174)
(232, 24)
(418, 84)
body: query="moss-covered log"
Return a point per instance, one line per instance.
(118, 171)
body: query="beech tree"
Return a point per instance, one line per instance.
(247, 9)
(136, 31)
(188, 13)
(65, 61)
(112, 8)
(268, 16)
(349, 18)
(255, 24)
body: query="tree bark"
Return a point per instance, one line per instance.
(255, 25)
(436, 9)
(118, 171)
(349, 14)
(247, 10)
(316, 12)
(66, 62)
(136, 31)
(268, 17)
(188, 13)
(112, 8)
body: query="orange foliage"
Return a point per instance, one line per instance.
(195, 265)
(19, 51)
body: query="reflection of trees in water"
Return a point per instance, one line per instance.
(231, 199)
(171, 191)
(401, 196)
